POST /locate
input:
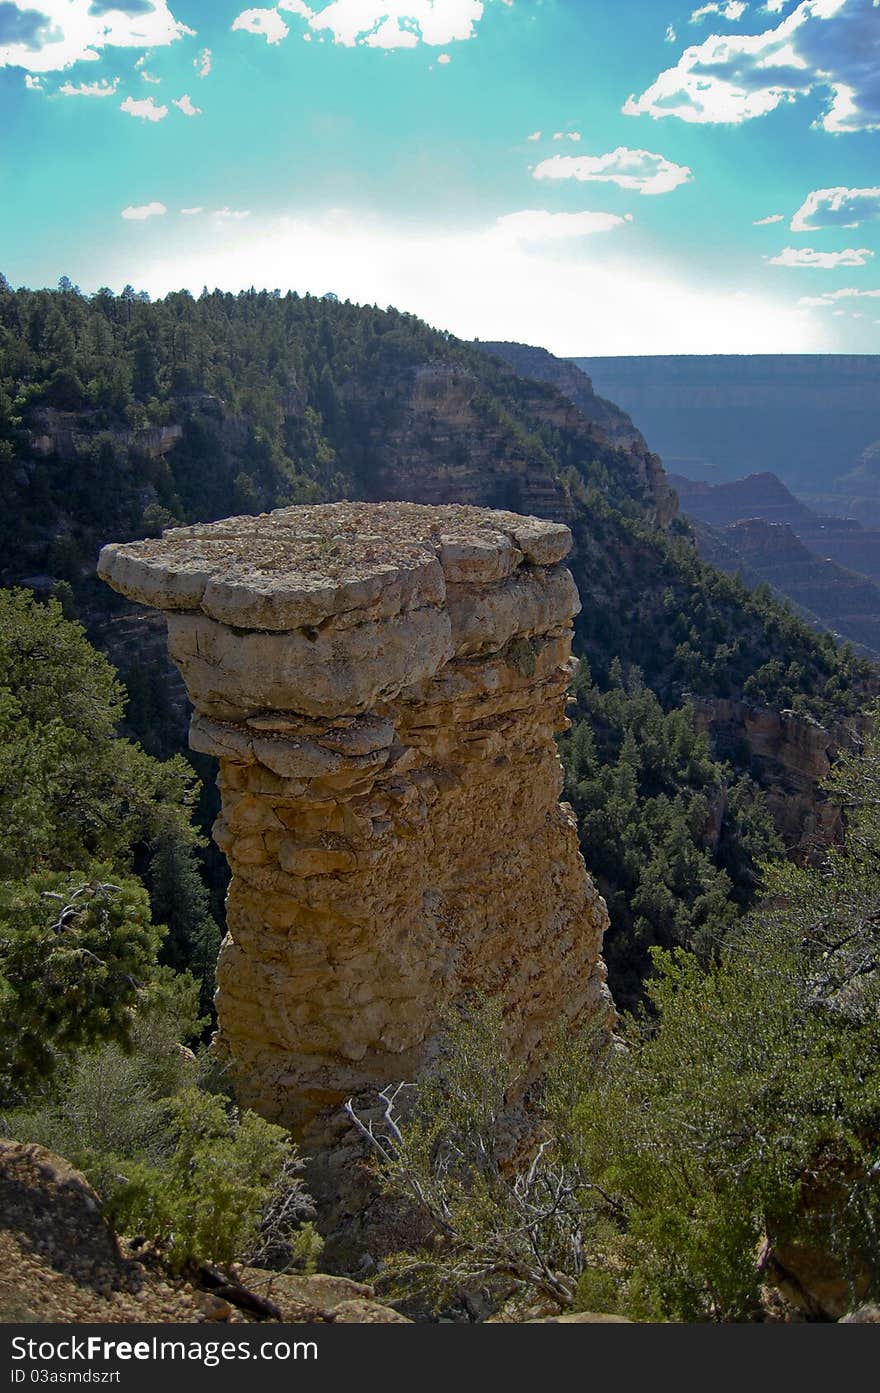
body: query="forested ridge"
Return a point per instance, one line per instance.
(119, 417)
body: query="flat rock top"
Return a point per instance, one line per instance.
(297, 566)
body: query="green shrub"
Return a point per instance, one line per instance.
(208, 1201)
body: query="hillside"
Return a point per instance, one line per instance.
(119, 418)
(828, 567)
(844, 540)
(807, 418)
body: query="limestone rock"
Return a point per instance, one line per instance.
(381, 684)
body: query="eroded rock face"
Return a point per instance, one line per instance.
(381, 684)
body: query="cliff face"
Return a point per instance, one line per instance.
(757, 527)
(790, 755)
(381, 685)
(441, 444)
(825, 593)
(609, 424)
(443, 437)
(538, 363)
(843, 540)
(805, 417)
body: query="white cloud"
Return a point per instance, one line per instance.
(670, 36)
(805, 256)
(535, 135)
(140, 212)
(202, 63)
(461, 280)
(764, 222)
(148, 77)
(147, 109)
(839, 207)
(70, 31)
(266, 22)
(185, 105)
(629, 169)
(387, 23)
(35, 84)
(191, 212)
(823, 46)
(233, 214)
(536, 225)
(104, 88)
(443, 58)
(566, 135)
(391, 34)
(727, 9)
(816, 301)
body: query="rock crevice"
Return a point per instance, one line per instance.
(381, 684)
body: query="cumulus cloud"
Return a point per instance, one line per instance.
(147, 109)
(139, 212)
(462, 280)
(828, 47)
(536, 225)
(839, 207)
(764, 222)
(233, 214)
(566, 135)
(670, 36)
(148, 77)
(103, 88)
(628, 169)
(35, 84)
(443, 58)
(832, 297)
(70, 31)
(202, 63)
(805, 256)
(191, 212)
(185, 105)
(383, 24)
(728, 9)
(266, 22)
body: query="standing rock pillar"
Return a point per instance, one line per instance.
(381, 684)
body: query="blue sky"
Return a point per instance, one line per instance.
(596, 176)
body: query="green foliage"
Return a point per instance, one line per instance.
(180, 901)
(80, 809)
(70, 791)
(170, 1161)
(452, 1155)
(693, 632)
(744, 1102)
(111, 1101)
(206, 1203)
(73, 956)
(673, 841)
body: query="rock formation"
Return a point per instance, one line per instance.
(381, 684)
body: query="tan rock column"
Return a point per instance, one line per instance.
(381, 684)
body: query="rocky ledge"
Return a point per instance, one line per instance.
(381, 684)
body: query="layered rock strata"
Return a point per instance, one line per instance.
(381, 684)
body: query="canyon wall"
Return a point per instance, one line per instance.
(807, 417)
(381, 684)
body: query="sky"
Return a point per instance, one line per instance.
(594, 176)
